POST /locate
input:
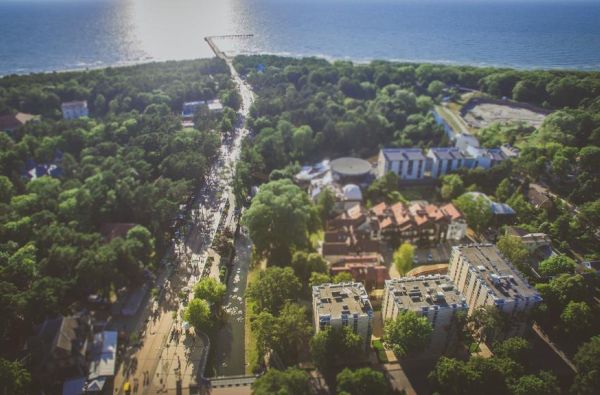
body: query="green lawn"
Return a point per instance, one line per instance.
(473, 348)
(316, 237)
(378, 346)
(252, 357)
(428, 193)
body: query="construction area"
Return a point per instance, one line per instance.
(479, 113)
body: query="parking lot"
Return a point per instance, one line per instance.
(436, 254)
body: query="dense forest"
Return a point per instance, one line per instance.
(129, 162)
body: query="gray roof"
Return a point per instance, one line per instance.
(348, 166)
(396, 154)
(424, 292)
(447, 153)
(333, 299)
(496, 154)
(496, 272)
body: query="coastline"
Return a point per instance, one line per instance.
(67, 69)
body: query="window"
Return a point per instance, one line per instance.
(410, 166)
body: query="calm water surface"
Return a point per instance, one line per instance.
(42, 35)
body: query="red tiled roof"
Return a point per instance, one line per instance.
(385, 223)
(451, 211)
(13, 121)
(401, 215)
(379, 209)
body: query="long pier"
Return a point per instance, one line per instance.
(215, 48)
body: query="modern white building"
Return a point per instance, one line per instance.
(486, 278)
(464, 140)
(190, 108)
(407, 163)
(444, 160)
(74, 109)
(215, 105)
(434, 297)
(344, 304)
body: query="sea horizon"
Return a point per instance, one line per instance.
(92, 34)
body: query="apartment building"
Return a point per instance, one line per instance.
(407, 163)
(444, 160)
(344, 304)
(419, 223)
(486, 278)
(434, 297)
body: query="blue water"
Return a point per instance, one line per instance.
(43, 35)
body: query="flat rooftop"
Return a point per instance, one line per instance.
(333, 299)
(394, 154)
(447, 153)
(348, 166)
(425, 292)
(496, 272)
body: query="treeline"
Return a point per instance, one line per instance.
(308, 108)
(130, 162)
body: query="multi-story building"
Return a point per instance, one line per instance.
(75, 109)
(444, 160)
(407, 163)
(486, 278)
(434, 297)
(344, 304)
(419, 223)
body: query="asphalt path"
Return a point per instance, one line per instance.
(168, 359)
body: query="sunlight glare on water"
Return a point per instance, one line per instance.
(175, 29)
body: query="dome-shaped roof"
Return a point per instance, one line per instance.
(352, 192)
(350, 167)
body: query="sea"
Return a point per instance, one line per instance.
(48, 35)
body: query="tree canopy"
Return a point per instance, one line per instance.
(280, 217)
(333, 346)
(556, 264)
(273, 288)
(476, 210)
(587, 361)
(198, 314)
(210, 290)
(363, 381)
(282, 382)
(407, 334)
(403, 258)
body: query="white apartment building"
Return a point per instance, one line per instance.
(407, 163)
(486, 278)
(74, 109)
(444, 160)
(434, 297)
(344, 304)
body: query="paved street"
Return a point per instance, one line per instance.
(167, 360)
(229, 344)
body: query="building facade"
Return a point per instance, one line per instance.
(419, 223)
(75, 109)
(486, 278)
(407, 163)
(444, 160)
(433, 297)
(344, 304)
